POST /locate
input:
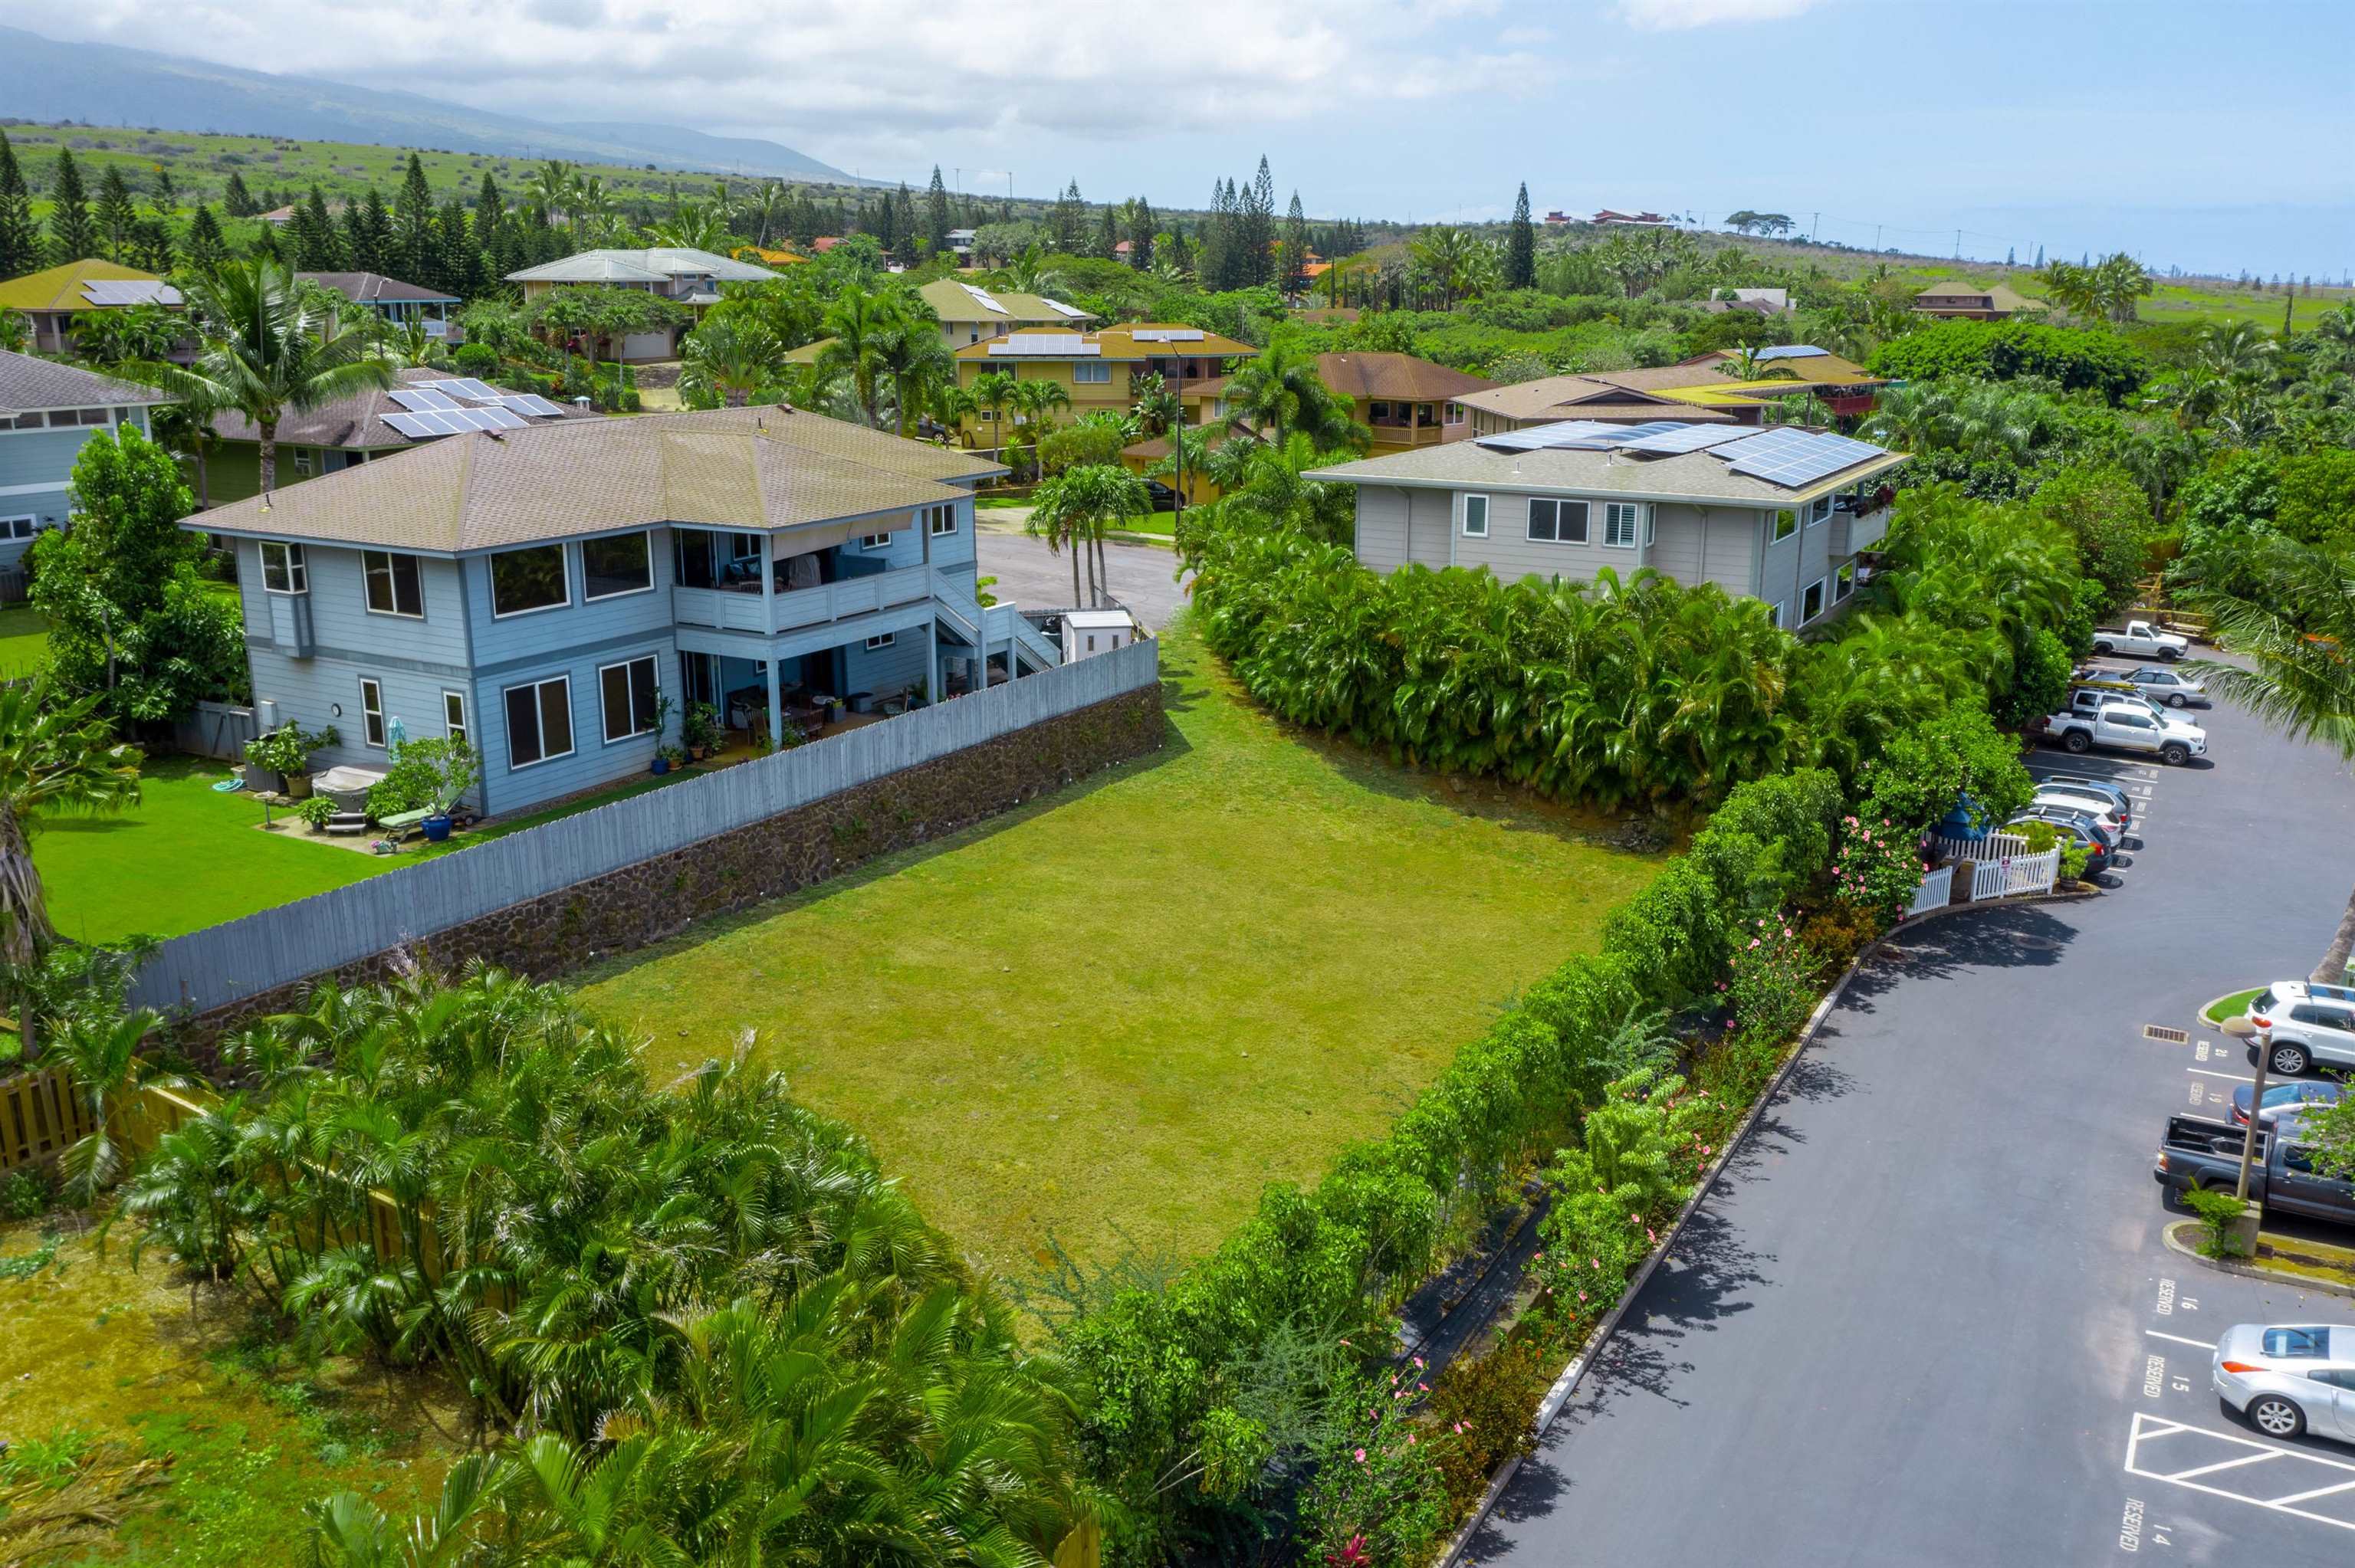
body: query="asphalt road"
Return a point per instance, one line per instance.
(1929, 1318)
(1143, 575)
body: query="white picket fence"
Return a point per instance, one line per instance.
(2015, 875)
(2000, 865)
(1994, 846)
(1937, 891)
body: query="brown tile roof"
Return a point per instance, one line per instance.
(1400, 375)
(758, 468)
(369, 288)
(355, 423)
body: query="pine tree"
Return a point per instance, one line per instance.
(457, 258)
(205, 249)
(116, 214)
(311, 234)
(1140, 234)
(1521, 245)
(1259, 227)
(903, 219)
(1293, 267)
(412, 247)
(936, 214)
(1108, 235)
(886, 222)
(2011, 256)
(1067, 228)
(2039, 259)
(489, 201)
(72, 235)
(236, 199)
(149, 244)
(168, 195)
(367, 234)
(20, 238)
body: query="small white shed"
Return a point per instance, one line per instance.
(1087, 631)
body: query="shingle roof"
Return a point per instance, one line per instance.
(1117, 343)
(356, 423)
(1395, 376)
(29, 382)
(60, 288)
(1688, 476)
(653, 265)
(1583, 396)
(954, 301)
(368, 288)
(734, 468)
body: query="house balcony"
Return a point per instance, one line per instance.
(1854, 531)
(1393, 435)
(743, 608)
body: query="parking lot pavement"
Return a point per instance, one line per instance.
(1929, 1317)
(1144, 576)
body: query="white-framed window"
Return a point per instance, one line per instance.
(1558, 522)
(885, 640)
(1811, 602)
(303, 460)
(1621, 519)
(623, 564)
(539, 721)
(1787, 523)
(626, 694)
(1775, 614)
(986, 416)
(1089, 371)
(1844, 581)
(393, 585)
(28, 421)
(529, 579)
(18, 527)
(371, 711)
(875, 541)
(283, 570)
(453, 717)
(942, 518)
(1819, 510)
(1456, 413)
(1476, 516)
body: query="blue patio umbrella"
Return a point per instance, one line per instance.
(396, 734)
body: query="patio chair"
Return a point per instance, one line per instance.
(401, 824)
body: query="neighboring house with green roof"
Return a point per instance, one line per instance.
(1972, 302)
(970, 314)
(677, 273)
(55, 296)
(47, 411)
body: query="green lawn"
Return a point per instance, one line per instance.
(2232, 1006)
(23, 641)
(1132, 1004)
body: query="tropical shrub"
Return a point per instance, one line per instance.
(2077, 359)
(1770, 980)
(2217, 1210)
(1879, 867)
(1378, 1497)
(1480, 1406)
(1960, 757)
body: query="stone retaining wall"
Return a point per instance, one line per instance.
(546, 936)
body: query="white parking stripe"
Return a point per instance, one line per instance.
(2189, 1440)
(2236, 1078)
(2179, 1340)
(2317, 1493)
(2233, 1465)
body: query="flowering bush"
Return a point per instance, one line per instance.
(1877, 867)
(1377, 1500)
(1644, 1146)
(1772, 982)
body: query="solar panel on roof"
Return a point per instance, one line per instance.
(469, 389)
(1022, 342)
(1590, 435)
(1686, 438)
(1793, 351)
(986, 299)
(1795, 457)
(1168, 334)
(499, 419)
(531, 403)
(108, 291)
(420, 399)
(414, 426)
(1059, 306)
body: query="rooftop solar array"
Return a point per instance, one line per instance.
(1793, 458)
(469, 389)
(1051, 342)
(532, 404)
(1587, 435)
(1066, 310)
(420, 399)
(1687, 438)
(1168, 334)
(130, 292)
(986, 300)
(453, 421)
(1794, 351)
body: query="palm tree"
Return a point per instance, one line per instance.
(765, 210)
(57, 758)
(100, 1054)
(994, 390)
(1035, 403)
(1750, 364)
(1073, 509)
(861, 323)
(15, 331)
(728, 359)
(695, 226)
(263, 354)
(549, 189)
(2292, 619)
(1279, 393)
(911, 356)
(1157, 408)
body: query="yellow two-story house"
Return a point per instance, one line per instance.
(1105, 369)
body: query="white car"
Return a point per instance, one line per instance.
(2300, 1024)
(2289, 1377)
(2162, 684)
(2103, 809)
(2139, 637)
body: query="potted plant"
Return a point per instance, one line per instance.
(316, 810)
(701, 730)
(426, 775)
(287, 752)
(664, 707)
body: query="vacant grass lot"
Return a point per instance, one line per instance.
(1122, 1010)
(92, 1347)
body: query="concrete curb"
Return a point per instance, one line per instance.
(1550, 1408)
(2247, 1270)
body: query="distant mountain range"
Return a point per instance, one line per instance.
(41, 79)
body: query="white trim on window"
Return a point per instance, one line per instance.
(302, 458)
(1087, 373)
(1775, 614)
(1557, 515)
(1844, 582)
(538, 720)
(453, 717)
(1816, 589)
(293, 573)
(1621, 519)
(563, 577)
(1781, 525)
(1476, 519)
(875, 541)
(629, 667)
(883, 639)
(23, 527)
(646, 540)
(372, 731)
(942, 518)
(1819, 510)
(391, 574)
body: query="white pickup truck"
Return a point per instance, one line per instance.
(2126, 726)
(2140, 637)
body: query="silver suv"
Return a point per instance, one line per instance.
(2299, 1024)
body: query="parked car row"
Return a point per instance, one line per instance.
(2091, 813)
(2115, 716)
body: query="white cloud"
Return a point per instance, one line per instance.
(886, 83)
(1675, 15)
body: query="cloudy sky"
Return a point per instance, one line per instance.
(2194, 134)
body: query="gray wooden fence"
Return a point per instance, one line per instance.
(221, 964)
(215, 729)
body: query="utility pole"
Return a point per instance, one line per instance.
(1815, 226)
(2256, 1108)
(1959, 245)
(1875, 238)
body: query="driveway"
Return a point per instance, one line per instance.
(1928, 1317)
(1143, 575)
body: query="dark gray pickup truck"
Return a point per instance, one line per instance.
(2197, 1152)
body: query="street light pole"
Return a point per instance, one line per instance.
(2249, 1139)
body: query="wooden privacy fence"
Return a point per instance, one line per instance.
(222, 964)
(41, 1117)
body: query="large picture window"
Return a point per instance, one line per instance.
(283, 570)
(393, 587)
(1558, 522)
(526, 581)
(609, 567)
(539, 721)
(627, 693)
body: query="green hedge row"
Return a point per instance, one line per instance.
(1175, 1372)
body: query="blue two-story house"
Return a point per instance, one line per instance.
(47, 411)
(537, 591)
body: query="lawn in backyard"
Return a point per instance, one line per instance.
(1122, 1010)
(23, 641)
(94, 1351)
